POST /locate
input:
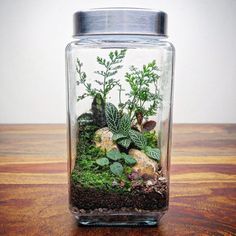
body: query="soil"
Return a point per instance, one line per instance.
(91, 199)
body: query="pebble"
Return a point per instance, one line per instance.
(100, 209)
(149, 183)
(160, 193)
(82, 211)
(122, 184)
(162, 179)
(114, 183)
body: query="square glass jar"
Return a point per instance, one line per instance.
(119, 86)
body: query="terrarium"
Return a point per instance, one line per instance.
(119, 82)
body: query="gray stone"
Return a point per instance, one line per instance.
(103, 139)
(144, 164)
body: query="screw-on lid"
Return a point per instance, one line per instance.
(134, 21)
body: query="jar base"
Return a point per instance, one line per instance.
(129, 220)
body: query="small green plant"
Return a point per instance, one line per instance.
(141, 98)
(107, 83)
(124, 135)
(141, 142)
(120, 127)
(98, 110)
(102, 161)
(152, 138)
(116, 168)
(117, 158)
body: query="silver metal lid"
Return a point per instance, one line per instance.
(133, 21)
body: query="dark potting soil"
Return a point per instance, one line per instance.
(90, 199)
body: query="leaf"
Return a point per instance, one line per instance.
(98, 82)
(116, 168)
(112, 117)
(98, 110)
(85, 118)
(124, 142)
(125, 124)
(102, 161)
(117, 136)
(138, 139)
(114, 155)
(149, 125)
(111, 55)
(129, 160)
(153, 153)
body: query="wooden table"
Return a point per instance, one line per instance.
(33, 183)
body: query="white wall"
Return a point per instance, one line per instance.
(33, 35)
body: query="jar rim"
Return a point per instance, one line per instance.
(120, 21)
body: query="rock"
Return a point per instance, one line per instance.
(100, 209)
(82, 211)
(162, 179)
(149, 183)
(144, 165)
(103, 139)
(114, 183)
(122, 184)
(134, 175)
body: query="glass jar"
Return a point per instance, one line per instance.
(119, 81)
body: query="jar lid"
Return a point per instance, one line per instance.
(133, 21)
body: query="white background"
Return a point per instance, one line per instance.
(33, 35)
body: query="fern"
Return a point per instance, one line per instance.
(141, 98)
(112, 65)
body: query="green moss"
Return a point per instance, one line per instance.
(90, 175)
(89, 178)
(98, 179)
(152, 138)
(127, 170)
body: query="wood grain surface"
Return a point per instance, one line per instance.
(33, 183)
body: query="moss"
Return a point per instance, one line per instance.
(152, 138)
(98, 179)
(86, 164)
(88, 174)
(89, 178)
(127, 170)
